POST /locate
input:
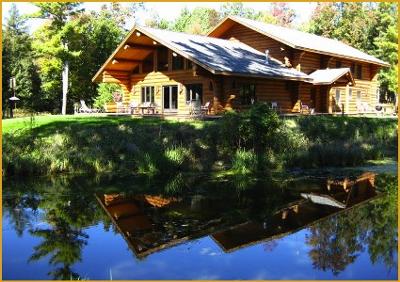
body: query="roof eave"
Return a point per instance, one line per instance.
(98, 73)
(383, 64)
(227, 73)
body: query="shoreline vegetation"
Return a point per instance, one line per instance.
(250, 143)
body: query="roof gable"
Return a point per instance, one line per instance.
(218, 56)
(300, 40)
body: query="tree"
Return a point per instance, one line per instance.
(91, 38)
(198, 21)
(237, 9)
(17, 62)
(283, 14)
(368, 27)
(386, 46)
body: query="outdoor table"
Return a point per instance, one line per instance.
(148, 109)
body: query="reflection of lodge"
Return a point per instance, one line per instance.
(152, 223)
(142, 219)
(316, 207)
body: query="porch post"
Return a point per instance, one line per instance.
(347, 99)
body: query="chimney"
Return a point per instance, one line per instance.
(267, 55)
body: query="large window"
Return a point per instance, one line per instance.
(162, 59)
(247, 94)
(177, 62)
(194, 92)
(148, 94)
(170, 97)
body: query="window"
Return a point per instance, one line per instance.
(377, 95)
(338, 64)
(162, 59)
(170, 97)
(247, 94)
(194, 92)
(358, 96)
(177, 62)
(148, 94)
(358, 71)
(350, 93)
(189, 65)
(233, 84)
(313, 97)
(337, 96)
(148, 63)
(211, 86)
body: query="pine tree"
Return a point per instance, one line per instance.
(18, 63)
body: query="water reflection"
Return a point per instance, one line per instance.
(156, 214)
(151, 223)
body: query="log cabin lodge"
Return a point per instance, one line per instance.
(240, 62)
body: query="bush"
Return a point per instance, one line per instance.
(105, 93)
(244, 162)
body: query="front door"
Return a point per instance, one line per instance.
(170, 98)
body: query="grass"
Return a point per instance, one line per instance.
(236, 144)
(12, 125)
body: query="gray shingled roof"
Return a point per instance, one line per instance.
(223, 56)
(328, 76)
(303, 40)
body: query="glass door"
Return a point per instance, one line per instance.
(170, 98)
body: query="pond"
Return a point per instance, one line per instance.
(197, 227)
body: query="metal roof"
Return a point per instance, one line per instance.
(223, 56)
(328, 76)
(306, 41)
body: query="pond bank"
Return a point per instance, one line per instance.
(254, 142)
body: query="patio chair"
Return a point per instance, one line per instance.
(275, 106)
(85, 109)
(306, 109)
(195, 107)
(205, 109)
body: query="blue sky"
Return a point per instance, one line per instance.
(167, 10)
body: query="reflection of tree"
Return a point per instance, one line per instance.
(382, 215)
(15, 205)
(63, 243)
(270, 245)
(335, 245)
(336, 242)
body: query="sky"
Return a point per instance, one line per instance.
(166, 10)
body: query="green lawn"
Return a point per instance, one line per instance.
(11, 125)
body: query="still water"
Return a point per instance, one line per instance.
(195, 227)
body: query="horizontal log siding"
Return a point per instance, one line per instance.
(306, 62)
(267, 90)
(160, 79)
(257, 41)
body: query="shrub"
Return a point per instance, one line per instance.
(244, 162)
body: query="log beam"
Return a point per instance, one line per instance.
(125, 61)
(139, 47)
